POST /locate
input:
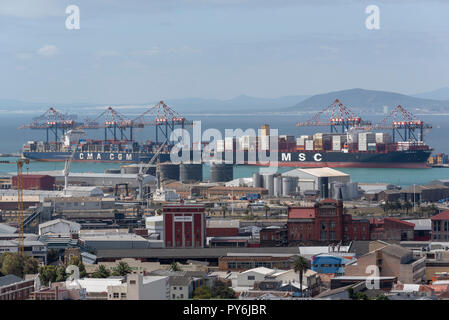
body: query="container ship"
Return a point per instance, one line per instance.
(356, 145)
(351, 149)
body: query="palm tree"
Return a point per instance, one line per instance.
(122, 269)
(266, 208)
(300, 265)
(101, 272)
(175, 267)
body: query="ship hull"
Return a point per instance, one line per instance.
(394, 159)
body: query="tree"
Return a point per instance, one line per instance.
(47, 274)
(12, 263)
(15, 263)
(407, 205)
(61, 275)
(76, 261)
(223, 210)
(300, 265)
(101, 272)
(267, 209)
(30, 265)
(122, 269)
(175, 267)
(202, 292)
(221, 291)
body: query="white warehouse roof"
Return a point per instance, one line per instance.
(316, 172)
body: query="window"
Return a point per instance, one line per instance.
(123, 295)
(251, 277)
(174, 288)
(132, 282)
(115, 295)
(332, 224)
(182, 296)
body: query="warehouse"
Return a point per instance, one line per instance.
(35, 182)
(311, 178)
(97, 179)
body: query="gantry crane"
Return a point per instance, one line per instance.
(340, 116)
(403, 124)
(20, 162)
(52, 121)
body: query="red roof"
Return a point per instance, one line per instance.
(400, 221)
(301, 213)
(441, 216)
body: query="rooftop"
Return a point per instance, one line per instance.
(9, 279)
(441, 216)
(317, 172)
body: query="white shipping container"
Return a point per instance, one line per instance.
(300, 141)
(336, 146)
(265, 143)
(309, 144)
(220, 145)
(229, 143)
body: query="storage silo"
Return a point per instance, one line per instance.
(221, 172)
(113, 171)
(169, 171)
(323, 187)
(130, 169)
(257, 180)
(289, 185)
(268, 183)
(190, 172)
(277, 190)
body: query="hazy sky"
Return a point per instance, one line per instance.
(140, 51)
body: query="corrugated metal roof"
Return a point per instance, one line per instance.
(317, 172)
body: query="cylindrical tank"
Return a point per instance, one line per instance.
(114, 171)
(130, 169)
(277, 190)
(268, 183)
(169, 171)
(257, 180)
(190, 172)
(323, 187)
(288, 186)
(221, 172)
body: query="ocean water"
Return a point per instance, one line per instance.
(11, 140)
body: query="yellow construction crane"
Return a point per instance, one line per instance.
(20, 162)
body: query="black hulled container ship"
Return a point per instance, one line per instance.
(356, 145)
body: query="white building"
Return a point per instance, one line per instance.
(95, 288)
(155, 225)
(59, 227)
(308, 178)
(139, 287)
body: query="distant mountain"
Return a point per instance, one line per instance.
(370, 101)
(438, 94)
(241, 103)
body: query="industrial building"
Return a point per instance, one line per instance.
(35, 182)
(184, 226)
(97, 179)
(325, 221)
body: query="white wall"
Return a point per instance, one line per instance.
(243, 281)
(60, 227)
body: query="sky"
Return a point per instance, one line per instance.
(138, 51)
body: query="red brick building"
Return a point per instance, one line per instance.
(440, 226)
(35, 182)
(325, 221)
(15, 288)
(391, 229)
(184, 226)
